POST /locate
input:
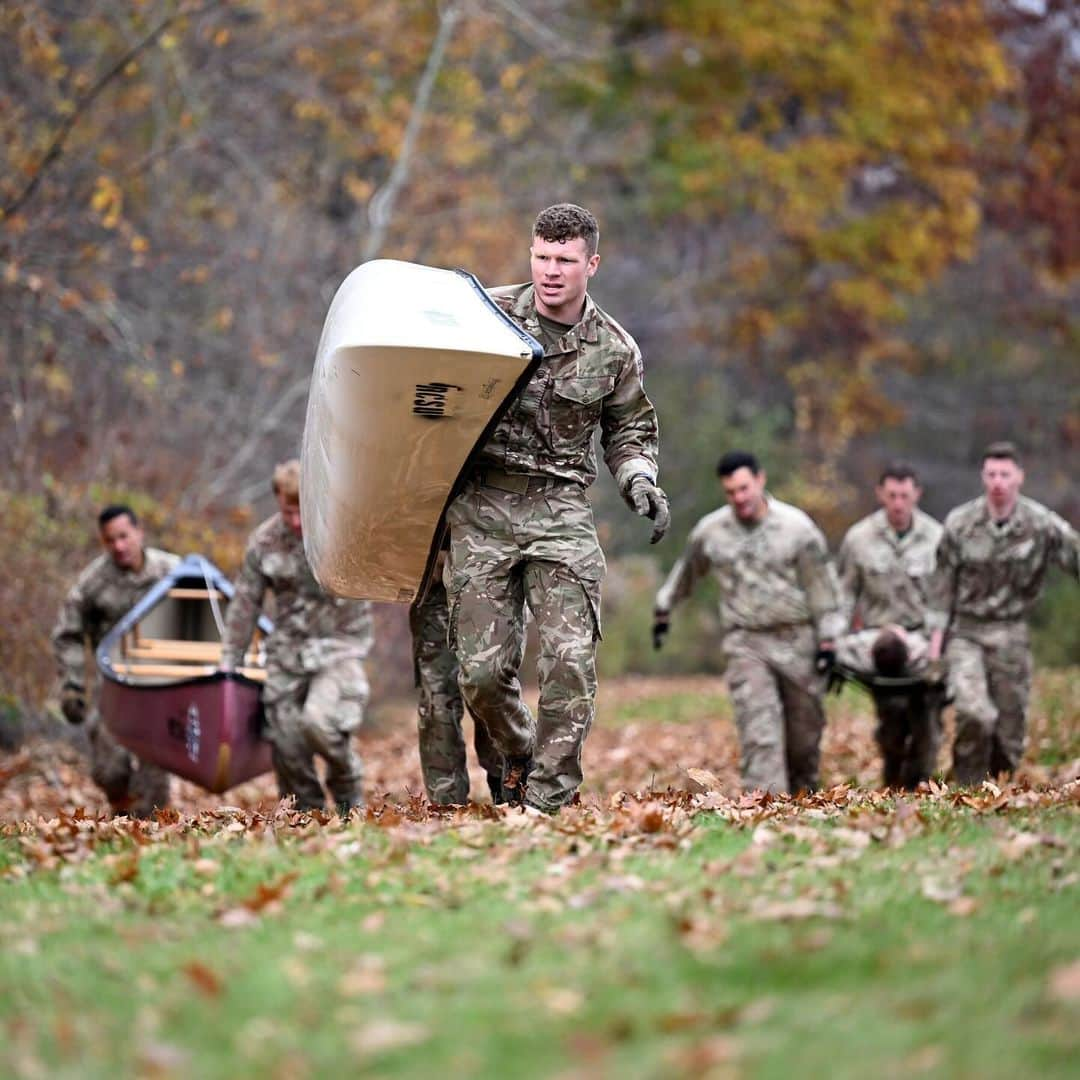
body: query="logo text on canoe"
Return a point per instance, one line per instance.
(433, 399)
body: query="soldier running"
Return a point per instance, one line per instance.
(316, 688)
(104, 592)
(991, 563)
(522, 530)
(780, 608)
(886, 562)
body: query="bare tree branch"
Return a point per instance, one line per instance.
(56, 147)
(229, 472)
(381, 206)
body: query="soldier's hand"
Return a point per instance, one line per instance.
(661, 625)
(935, 672)
(826, 657)
(646, 499)
(73, 704)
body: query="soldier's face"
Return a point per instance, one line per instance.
(1001, 479)
(560, 272)
(745, 491)
(123, 540)
(290, 513)
(899, 498)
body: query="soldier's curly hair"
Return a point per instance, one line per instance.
(567, 221)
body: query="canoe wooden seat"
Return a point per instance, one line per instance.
(180, 593)
(150, 670)
(206, 652)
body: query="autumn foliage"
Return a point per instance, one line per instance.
(183, 183)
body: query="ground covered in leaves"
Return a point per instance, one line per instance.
(667, 926)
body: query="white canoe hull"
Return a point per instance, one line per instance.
(413, 370)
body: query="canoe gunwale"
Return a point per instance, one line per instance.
(193, 567)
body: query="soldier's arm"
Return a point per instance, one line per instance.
(847, 568)
(942, 590)
(822, 588)
(69, 639)
(688, 570)
(244, 610)
(629, 432)
(355, 622)
(1066, 545)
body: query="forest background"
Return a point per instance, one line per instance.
(841, 233)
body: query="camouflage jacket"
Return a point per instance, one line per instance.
(994, 573)
(311, 627)
(773, 574)
(591, 376)
(885, 577)
(99, 598)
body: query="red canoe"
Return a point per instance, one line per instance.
(162, 696)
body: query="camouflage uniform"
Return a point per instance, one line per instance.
(522, 532)
(442, 744)
(987, 580)
(99, 598)
(778, 598)
(886, 580)
(316, 688)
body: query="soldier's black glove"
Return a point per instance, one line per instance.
(661, 625)
(73, 704)
(646, 499)
(826, 657)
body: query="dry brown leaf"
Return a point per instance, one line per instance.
(205, 980)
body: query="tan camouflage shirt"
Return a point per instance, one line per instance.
(886, 577)
(772, 574)
(591, 376)
(994, 573)
(100, 597)
(311, 627)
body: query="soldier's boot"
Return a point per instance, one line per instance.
(495, 786)
(345, 807)
(515, 778)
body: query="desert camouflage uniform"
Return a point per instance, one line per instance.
(101, 596)
(315, 688)
(886, 580)
(987, 580)
(778, 598)
(522, 532)
(441, 709)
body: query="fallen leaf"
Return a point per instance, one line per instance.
(705, 779)
(206, 981)
(385, 1034)
(1064, 982)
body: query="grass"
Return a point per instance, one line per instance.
(841, 939)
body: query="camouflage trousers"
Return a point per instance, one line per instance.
(990, 681)
(909, 718)
(441, 709)
(132, 786)
(509, 549)
(314, 713)
(777, 696)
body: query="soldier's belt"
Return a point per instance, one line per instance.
(518, 483)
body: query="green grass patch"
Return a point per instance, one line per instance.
(860, 942)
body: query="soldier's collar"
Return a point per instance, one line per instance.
(586, 328)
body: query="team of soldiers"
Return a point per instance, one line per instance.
(910, 597)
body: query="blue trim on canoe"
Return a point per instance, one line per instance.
(195, 571)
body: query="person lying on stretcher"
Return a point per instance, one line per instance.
(893, 665)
